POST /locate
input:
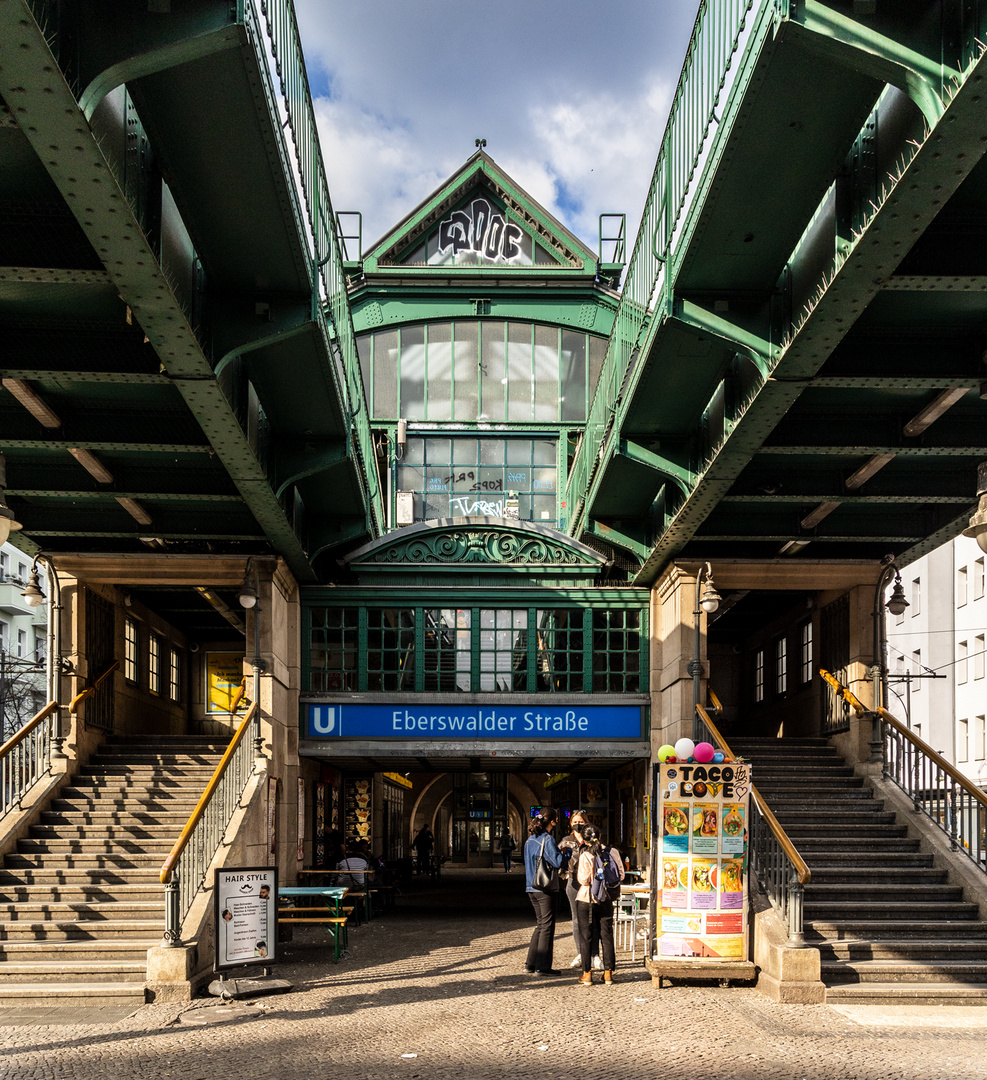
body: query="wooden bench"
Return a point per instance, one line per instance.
(336, 924)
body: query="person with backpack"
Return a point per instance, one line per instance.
(599, 873)
(542, 861)
(507, 846)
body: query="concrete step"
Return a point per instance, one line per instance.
(119, 861)
(863, 910)
(72, 929)
(160, 771)
(885, 841)
(96, 877)
(837, 876)
(137, 832)
(912, 993)
(38, 995)
(839, 972)
(82, 893)
(810, 823)
(166, 763)
(972, 950)
(122, 803)
(92, 910)
(852, 928)
(839, 807)
(111, 949)
(72, 971)
(95, 846)
(885, 894)
(109, 816)
(825, 859)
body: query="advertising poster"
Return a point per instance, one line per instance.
(224, 672)
(246, 916)
(702, 859)
(358, 809)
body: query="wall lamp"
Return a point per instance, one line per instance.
(249, 588)
(977, 529)
(8, 523)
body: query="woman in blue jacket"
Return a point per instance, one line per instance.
(541, 844)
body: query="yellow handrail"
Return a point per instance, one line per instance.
(92, 687)
(26, 730)
(200, 807)
(937, 758)
(801, 866)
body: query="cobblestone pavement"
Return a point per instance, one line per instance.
(436, 990)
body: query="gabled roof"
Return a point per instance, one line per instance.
(480, 219)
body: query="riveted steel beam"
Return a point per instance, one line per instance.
(49, 116)
(620, 538)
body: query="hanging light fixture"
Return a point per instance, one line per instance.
(33, 593)
(897, 601)
(248, 589)
(8, 523)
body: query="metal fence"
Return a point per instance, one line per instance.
(184, 871)
(780, 870)
(936, 789)
(24, 757)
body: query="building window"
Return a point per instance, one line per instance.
(130, 650)
(962, 650)
(805, 652)
(781, 665)
(978, 580)
(916, 596)
(916, 669)
(40, 645)
(22, 643)
(961, 586)
(470, 476)
(4, 566)
(154, 664)
(962, 740)
(759, 675)
(415, 649)
(174, 672)
(978, 656)
(4, 636)
(980, 737)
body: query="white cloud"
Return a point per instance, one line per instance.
(570, 98)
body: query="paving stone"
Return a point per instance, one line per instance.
(436, 990)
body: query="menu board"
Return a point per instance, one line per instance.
(702, 860)
(357, 809)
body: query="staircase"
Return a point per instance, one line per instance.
(890, 927)
(80, 897)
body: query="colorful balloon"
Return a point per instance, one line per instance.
(718, 758)
(666, 752)
(704, 752)
(684, 749)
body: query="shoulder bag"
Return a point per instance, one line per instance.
(543, 872)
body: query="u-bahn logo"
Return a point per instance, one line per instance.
(323, 719)
(482, 229)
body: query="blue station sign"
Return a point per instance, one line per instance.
(501, 722)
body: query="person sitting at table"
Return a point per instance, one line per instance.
(353, 867)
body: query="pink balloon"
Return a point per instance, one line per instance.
(704, 752)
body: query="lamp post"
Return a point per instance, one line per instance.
(34, 596)
(707, 601)
(977, 528)
(8, 523)
(896, 604)
(249, 597)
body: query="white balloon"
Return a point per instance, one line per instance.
(684, 748)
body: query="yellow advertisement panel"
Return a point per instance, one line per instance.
(224, 671)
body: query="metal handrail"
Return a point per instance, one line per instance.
(184, 870)
(781, 871)
(91, 689)
(936, 788)
(24, 757)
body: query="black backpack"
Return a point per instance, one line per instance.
(606, 878)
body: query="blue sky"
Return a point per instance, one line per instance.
(571, 96)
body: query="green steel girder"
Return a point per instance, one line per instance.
(613, 535)
(855, 45)
(48, 114)
(937, 167)
(586, 309)
(297, 460)
(678, 472)
(327, 541)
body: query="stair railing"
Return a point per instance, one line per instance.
(24, 757)
(184, 870)
(780, 870)
(936, 788)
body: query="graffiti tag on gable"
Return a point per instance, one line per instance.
(482, 230)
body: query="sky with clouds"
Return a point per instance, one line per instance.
(571, 96)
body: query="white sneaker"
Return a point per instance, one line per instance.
(576, 961)
(597, 964)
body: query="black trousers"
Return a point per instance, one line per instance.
(594, 927)
(543, 939)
